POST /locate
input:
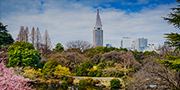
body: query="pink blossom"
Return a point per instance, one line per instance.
(11, 81)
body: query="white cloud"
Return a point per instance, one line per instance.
(75, 21)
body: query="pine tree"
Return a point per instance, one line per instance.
(174, 18)
(5, 37)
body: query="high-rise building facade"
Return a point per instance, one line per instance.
(140, 44)
(98, 32)
(126, 42)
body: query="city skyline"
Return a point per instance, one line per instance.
(69, 20)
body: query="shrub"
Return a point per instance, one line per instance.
(23, 54)
(49, 68)
(88, 81)
(99, 73)
(82, 82)
(114, 82)
(61, 71)
(69, 80)
(82, 70)
(10, 81)
(96, 81)
(32, 73)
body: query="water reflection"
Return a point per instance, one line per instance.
(68, 87)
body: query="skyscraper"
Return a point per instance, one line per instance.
(141, 44)
(98, 32)
(126, 42)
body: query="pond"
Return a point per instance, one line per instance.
(56, 86)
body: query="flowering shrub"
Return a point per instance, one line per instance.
(11, 81)
(33, 74)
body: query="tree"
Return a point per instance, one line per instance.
(10, 81)
(59, 48)
(82, 45)
(5, 37)
(174, 18)
(38, 39)
(49, 67)
(82, 70)
(153, 73)
(33, 34)
(23, 54)
(21, 34)
(173, 65)
(47, 43)
(26, 34)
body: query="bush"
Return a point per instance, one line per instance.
(32, 73)
(50, 67)
(99, 73)
(82, 70)
(23, 54)
(114, 82)
(81, 82)
(93, 73)
(69, 80)
(88, 81)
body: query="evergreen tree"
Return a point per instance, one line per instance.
(174, 18)
(59, 48)
(5, 37)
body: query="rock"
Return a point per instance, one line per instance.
(102, 86)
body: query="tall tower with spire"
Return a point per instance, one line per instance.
(98, 32)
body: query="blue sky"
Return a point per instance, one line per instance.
(69, 20)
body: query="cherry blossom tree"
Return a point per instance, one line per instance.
(10, 81)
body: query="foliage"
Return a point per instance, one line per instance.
(71, 59)
(150, 53)
(112, 72)
(174, 65)
(50, 67)
(114, 82)
(174, 17)
(11, 81)
(96, 59)
(174, 38)
(88, 81)
(23, 54)
(99, 73)
(82, 70)
(61, 71)
(59, 48)
(70, 80)
(32, 73)
(5, 37)
(18, 70)
(126, 80)
(102, 65)
(101, 50)
(82, 82)
(112, 56)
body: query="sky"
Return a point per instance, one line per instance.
(70, 20)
